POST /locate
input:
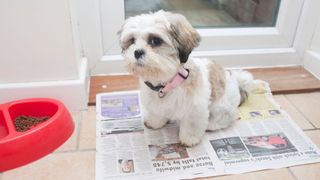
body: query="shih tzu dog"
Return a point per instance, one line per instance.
(197, 93)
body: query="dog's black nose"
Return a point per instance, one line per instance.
(138, 53)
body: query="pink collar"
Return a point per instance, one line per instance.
(163, 89)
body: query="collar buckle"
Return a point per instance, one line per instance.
(161, 94)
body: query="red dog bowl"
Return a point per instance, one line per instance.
(20, 148)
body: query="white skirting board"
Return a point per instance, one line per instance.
(312, 63)
(73, 93)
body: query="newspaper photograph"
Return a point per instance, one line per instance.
(229, 148)
(268, 144)
(118, 105)
(118, 112)
(264, 137)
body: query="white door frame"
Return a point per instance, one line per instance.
(308, 32)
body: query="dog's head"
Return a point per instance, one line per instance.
(155, 45)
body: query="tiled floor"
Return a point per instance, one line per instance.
(76, 158)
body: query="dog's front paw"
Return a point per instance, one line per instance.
(153, 123)
(189, 140)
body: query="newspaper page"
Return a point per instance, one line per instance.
(264, 137)
(263, 144)
(128, 150)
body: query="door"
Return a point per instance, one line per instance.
(237, 33)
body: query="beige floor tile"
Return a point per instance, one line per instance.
(311, 171)
(308, 172)
(276, 174)
(88, 129)
(314, 136)
(58, 166)
(308, 105)
(71, 143)
(293, 112)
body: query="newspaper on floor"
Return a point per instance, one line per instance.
(265, 137)
(126, 149)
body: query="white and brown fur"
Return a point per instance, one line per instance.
(206, 100)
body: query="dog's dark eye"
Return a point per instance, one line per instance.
(132, 40)
(155, 41)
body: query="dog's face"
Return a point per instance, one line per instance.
(154, 45)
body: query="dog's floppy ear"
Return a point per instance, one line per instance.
(185, 36)
(119, 33)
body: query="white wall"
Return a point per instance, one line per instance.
(40, 54)
(36, 41)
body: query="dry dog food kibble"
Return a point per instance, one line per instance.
(23, 123)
